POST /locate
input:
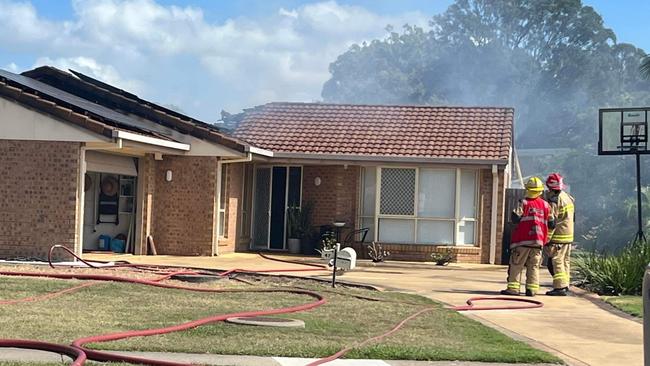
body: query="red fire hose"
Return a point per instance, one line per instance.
(79, 353)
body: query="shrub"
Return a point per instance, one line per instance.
(376, 252)
(443, 258)
(619, 274)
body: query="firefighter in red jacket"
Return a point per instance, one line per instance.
(533, 218)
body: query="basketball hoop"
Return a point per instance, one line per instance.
(624, 131)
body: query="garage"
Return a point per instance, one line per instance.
(110, 185)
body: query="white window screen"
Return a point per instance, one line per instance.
(397, 231)
(369, 191)
(435, 232)
(397, 192)
(468, 194)
(437, 193)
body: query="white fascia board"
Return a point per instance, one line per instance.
(258, 151)
(120, 134)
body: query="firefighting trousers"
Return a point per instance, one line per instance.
(559, 257)
(520, 258)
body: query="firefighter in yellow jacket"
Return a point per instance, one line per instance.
(558, 249)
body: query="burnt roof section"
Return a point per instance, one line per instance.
(480, 134)
(66, 106)
(123, 102)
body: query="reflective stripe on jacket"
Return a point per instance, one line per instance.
(564, 210)
(532, 229)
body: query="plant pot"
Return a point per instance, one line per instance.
(294, 245)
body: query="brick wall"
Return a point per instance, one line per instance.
(485, 203)
(145, 196)
(422, 252)
(183, 219)
(38, 196)
(337, 196)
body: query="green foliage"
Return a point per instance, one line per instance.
(443, 258)
(645, 67)
(299, 221)
(328, 240)
(376, 252)
(614, 274)
(554, 61)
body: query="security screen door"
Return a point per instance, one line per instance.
(276, 189)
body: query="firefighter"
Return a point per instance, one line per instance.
(558, 249)
(533, 218)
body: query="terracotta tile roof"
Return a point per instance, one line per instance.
(473, 133)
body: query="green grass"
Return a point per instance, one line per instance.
(632, 305)
(441, 334)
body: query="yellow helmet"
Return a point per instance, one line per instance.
(534, 187)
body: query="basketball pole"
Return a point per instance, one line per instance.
(640, 236)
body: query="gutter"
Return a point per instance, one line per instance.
(388, 158)
(217, 203)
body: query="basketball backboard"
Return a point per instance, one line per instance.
(623, 131)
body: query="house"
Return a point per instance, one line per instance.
(94, 167)
(421, 179)
(83, 161)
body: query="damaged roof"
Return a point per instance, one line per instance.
(100, 107)
(381, 132)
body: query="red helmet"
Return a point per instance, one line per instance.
(555, 182)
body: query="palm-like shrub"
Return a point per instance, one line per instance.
(614, 274)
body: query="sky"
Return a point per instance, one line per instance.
(200, 57)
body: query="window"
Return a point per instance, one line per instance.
(419, 205)
(223, 199)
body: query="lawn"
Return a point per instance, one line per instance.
(632, 305)
(441, 334)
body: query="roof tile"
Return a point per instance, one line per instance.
(480, 133)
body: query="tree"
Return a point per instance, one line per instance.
(645, 67)
(554, 61)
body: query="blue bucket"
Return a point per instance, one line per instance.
(104, 242)
(118, 245)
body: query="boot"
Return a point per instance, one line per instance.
(510, 292)
(558, 292)
(530, 293)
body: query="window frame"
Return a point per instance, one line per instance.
(456, 220)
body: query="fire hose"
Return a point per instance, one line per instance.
(79, 353)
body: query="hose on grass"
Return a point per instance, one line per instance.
(80, 353)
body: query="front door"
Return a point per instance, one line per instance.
(276, 189)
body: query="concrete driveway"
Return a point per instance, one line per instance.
(574, 328)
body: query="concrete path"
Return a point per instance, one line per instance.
(12, 354)
(573, 328)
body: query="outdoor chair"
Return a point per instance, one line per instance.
(350, 238)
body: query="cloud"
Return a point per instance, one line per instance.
(175, 56)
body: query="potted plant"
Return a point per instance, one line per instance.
(293, 229)
(298, 226)
(328, 242)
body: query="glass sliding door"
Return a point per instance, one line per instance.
(276, 189)
(261, 206)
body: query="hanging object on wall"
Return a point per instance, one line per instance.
(108, 205)
(88, 182)
(109, 186)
